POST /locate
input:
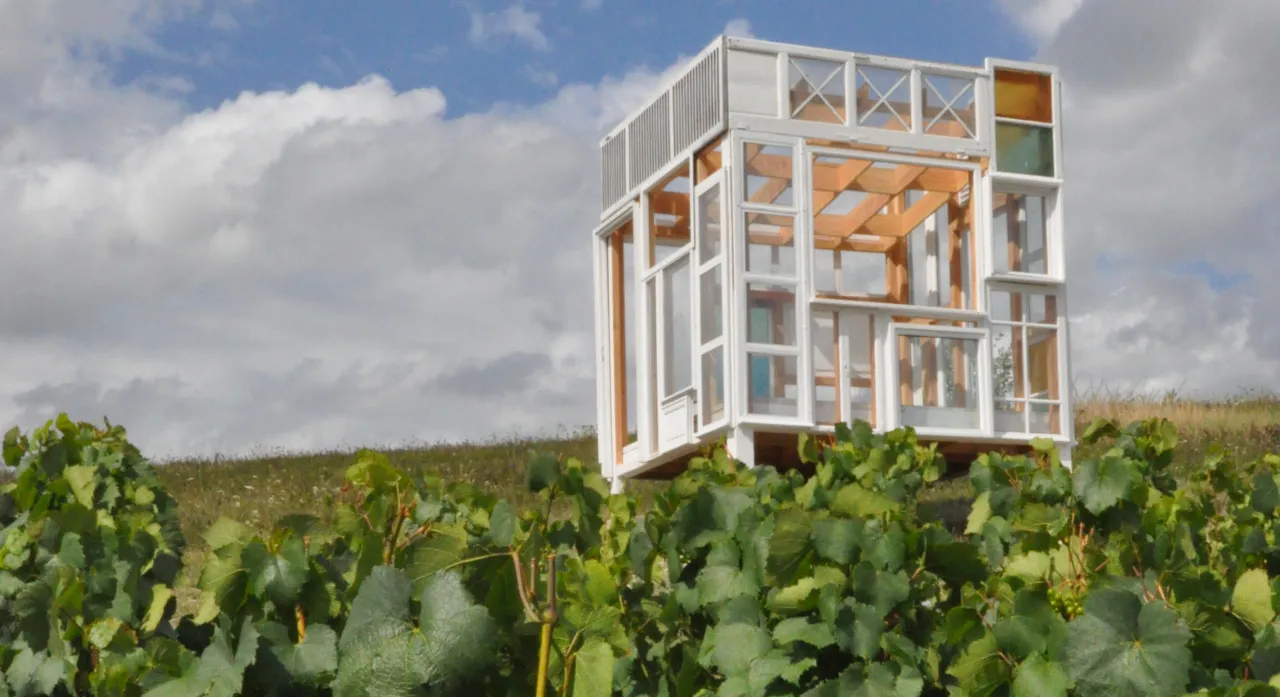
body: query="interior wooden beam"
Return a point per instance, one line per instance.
(617, 261)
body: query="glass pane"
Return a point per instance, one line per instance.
(712, 389)
(844, 272)
(709, 232)
(861, 367)
(948, 106)
(769, 173)
(1006, 306)
(711, 297)
(708, 161)
(773, 388)
(771, 244)
(1042, 359)
(817, 90)
(1010, 417)
(1019, 233)
(884, 98)
(1023, 96)
(1024, 149)
(771, 317)
(1046, 418)
(1004, 376)
(938, 380)
(669, 215)
(678, 328)
(825, 367)
(1042, 309)
(709, 229)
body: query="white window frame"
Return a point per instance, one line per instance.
(889, 377)
(1055, 126)
(606, 390)
(742, 278)
(1059, 326)
(705, 430)
(1054, 242)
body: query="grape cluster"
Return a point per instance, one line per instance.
(1067, 606)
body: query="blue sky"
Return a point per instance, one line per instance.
(280, 44)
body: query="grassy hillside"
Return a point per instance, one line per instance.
(260, 490)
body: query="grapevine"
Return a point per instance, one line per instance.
(1114, 578)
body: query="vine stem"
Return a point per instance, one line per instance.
(548, 621)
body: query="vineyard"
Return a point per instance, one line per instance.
(1125, 577)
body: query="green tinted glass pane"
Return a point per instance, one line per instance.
(1024, 149)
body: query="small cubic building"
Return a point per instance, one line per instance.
(796, 237)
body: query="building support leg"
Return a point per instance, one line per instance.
(742, 446)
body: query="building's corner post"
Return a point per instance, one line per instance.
(617, 485)
(741, 445)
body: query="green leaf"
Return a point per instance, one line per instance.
(1103, 482)
(543, 473)
(980, 669)
(224, 532)
(444, 546)
(383, 595)
(868, 625)
(979, 514)
(854, 501)
(502, 524)
(837, 539)
(276, 576)
(34, 674)
(1037, 677)
(71, 551)
(310, 661)
(83, 481)
(459, 634)
(593, 670)
(103, 632)
(1121, 647)
(1251, 599)
(734, 646)
(800, 629)
(789, 544)
(160, 596)
(719, 583)
(1029, 566)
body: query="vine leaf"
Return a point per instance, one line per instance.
(309, 661)
(1251, 599)
(1103, 482)
(1122, 647)
(1037, 677)
(459, 634)
(593, 670)
(31, 674)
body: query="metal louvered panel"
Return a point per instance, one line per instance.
(681, 118)
(696, 102)
(649, 140)
(613, 169)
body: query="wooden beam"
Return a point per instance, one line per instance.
(617, 261)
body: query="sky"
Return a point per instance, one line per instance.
(238, 226)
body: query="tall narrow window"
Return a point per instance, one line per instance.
(1024, 359)
(1020, 232)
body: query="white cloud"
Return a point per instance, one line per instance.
(541, 77)
(591, 4)
(1171, 182)
(299, 269)
(739, 27)
(1041, 18)
(514, 22)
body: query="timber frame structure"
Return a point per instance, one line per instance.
(795, 237)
